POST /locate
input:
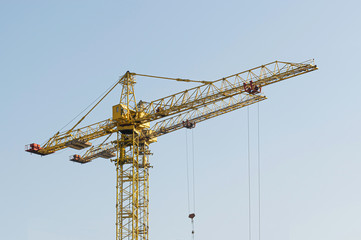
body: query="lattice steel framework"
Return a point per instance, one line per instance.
(127, 198)
(131, 124)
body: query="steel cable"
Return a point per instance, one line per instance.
(259, 175)
(249, 179)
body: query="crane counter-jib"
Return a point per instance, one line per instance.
(77, 139)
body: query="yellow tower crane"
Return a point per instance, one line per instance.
(131, 123)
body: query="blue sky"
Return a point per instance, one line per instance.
(58, 56)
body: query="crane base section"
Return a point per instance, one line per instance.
(78, 144)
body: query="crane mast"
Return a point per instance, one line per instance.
(130, 122)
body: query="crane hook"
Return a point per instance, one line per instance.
(191, 216)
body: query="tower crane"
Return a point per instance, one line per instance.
(135, 125)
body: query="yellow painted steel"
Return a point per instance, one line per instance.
(176, 122)
(196, 97)
(128, 194)
(131, 123)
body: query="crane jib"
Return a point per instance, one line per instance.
(248, 81)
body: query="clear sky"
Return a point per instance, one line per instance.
(56, 57)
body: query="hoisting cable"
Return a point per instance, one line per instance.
(191, 214)
(187, 164)
(194, 176)
(259, 176)
(249, 179)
